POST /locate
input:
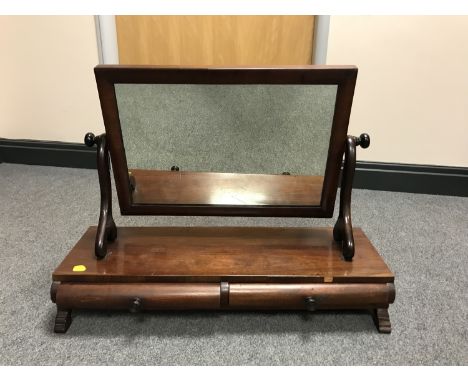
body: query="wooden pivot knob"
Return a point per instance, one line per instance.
(363, 140)
(90, 139)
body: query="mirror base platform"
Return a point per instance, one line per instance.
(223, 268)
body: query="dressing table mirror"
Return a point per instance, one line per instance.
(211, 141)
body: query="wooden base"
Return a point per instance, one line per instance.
(222, 268)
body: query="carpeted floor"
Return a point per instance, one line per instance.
(44, 210)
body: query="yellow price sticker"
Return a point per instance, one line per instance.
(79, 268)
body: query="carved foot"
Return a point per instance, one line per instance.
(62, 321)
(382, 320)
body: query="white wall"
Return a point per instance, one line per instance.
(47, 86)
(412, 88)
(411, 95)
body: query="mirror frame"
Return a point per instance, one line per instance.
(342, 76)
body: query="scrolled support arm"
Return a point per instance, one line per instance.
(107, 230)
(343, 230)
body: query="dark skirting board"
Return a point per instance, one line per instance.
(383, 176)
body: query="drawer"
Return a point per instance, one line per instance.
(224, 295)
(136, 296)
(310, 296)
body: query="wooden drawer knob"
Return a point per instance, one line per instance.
(135, 305)
(311, 304)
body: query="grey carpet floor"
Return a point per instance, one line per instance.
(45, 210)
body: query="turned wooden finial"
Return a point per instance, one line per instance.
(89, 139)
(363, 141)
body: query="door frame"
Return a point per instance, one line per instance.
(106, 36)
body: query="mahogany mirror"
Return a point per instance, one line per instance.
(226, 141)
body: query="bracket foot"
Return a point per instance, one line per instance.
(62, 321)
(382, 320)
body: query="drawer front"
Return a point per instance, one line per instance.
(135, 297)
(248, 296)
(310, 296)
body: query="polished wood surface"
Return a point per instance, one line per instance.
(226, 268)
(107, 230)
(239, 296)
(343, 230)
(325, 296)
(182, 187)
(157, 296)
(215, 40)
(215, 254)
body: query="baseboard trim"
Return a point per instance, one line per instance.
(418, 179)
(47, 153)
(421, 179)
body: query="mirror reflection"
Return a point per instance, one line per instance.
(226, 132)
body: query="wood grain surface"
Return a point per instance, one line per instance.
(205, 296)
(182, 187)
(215, 40)
(152, 296)
(215, 254)
(293, 296)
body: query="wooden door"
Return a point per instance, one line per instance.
(215, 40)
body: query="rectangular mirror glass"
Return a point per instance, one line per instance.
(232, 144)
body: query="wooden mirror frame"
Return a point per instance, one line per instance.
(342, 76)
